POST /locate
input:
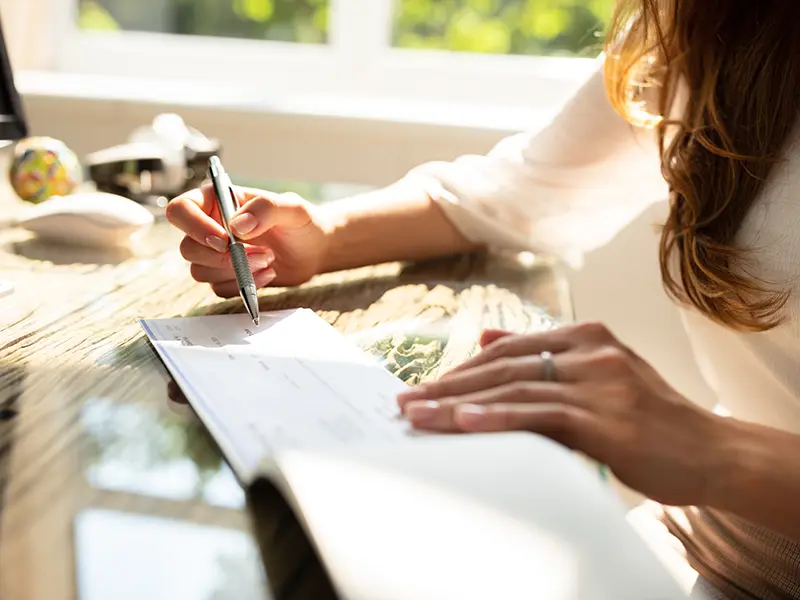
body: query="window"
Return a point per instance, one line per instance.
(534, 27)
(304, 53)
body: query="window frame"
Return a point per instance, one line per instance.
(358, 62)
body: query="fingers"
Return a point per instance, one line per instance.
(497, 344)
(511, 345)
(204, 274)
(497, 373)
(230, 288)
(440, 415)
(196, 215)
(210, 266)
(261, 213)
(491, 335)
(199, 254)
(562, 423)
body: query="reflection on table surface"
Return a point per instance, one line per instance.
(110, 489)
(139, 449)
(182, 561)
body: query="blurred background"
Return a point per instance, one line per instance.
(323, 97)
(534, 27)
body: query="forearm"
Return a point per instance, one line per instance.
(758, 477)
(399, 222)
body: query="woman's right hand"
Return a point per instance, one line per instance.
(284, 237)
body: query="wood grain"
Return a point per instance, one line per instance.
(85, 421)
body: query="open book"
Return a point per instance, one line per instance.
(391, 513)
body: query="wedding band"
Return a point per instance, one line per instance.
(548, 366)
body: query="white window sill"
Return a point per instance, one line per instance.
(181, 94)
(305, 137)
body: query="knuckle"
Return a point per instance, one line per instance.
(186, 248)
(292, 198)
(198, 273)
(517, 389)
(503, 370)
(506, 342)
(593, 331)
(174, 209)
(506, 418)
(500, 348)
(261, 204)
(221, 290)
(561, 418)
(486, 357)
(564, 422)
(611, 357)
(438, 388)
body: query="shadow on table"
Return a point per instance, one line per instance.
(12, 382)
(361, 289)
(322, 294)
(64, 254)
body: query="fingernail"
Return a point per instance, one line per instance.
(470, 416)
(258, 251)
(422, 413)
(243, 224)
(258, 262)
(216, 243)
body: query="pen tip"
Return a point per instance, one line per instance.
(255, 320)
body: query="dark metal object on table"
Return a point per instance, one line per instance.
(159, 162)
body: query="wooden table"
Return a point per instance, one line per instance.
(109, 489)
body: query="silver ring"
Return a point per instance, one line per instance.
(548, 366)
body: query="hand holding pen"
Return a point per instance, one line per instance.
(288, 239)
(228, 205)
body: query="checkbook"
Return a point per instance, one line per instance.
(392, 513)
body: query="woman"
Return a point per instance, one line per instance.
(695, 99)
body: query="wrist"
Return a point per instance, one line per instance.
(738, 460)
(397, 223)
(332, 221)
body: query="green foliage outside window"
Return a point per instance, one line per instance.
(537, 27)
(543, 27)
(304, 21)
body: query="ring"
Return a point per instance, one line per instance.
(548, 366)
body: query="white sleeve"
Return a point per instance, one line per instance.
(566, 189)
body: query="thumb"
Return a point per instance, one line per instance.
(492, 335)
(261, 213)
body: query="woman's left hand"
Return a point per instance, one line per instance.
(602, 400)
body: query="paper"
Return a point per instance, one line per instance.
(294, 382)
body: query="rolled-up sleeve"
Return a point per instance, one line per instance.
(566, 189)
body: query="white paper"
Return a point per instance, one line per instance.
(293, 383)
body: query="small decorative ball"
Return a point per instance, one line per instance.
(44, 167)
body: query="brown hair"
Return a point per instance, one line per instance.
(739, 61)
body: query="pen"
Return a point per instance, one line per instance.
(228, 205)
